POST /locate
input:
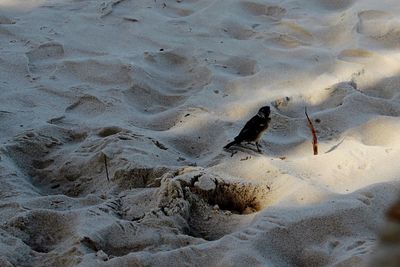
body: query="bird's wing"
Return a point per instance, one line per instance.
(249, 127)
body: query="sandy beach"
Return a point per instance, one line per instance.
(114, 115)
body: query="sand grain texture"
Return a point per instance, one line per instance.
(157, 88)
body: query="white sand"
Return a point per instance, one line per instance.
(158, 88)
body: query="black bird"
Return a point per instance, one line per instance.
(253, 129)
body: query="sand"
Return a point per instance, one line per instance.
(153, 90)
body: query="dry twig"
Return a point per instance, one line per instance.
(314, 135)
(105, 164)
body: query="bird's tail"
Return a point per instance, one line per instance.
(230, 144)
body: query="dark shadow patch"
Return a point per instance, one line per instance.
(107, 131)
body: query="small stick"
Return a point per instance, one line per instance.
(314, 135)
(105, 164)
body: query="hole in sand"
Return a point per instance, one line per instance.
(237, 197)
(223, 209)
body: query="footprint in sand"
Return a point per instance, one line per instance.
(181, 8)
(42, 230)
(101, 71)
(380, 26)
(168, 9)
(356, 55)
(151, 100)
(43, 59)
(87, 105)
(165, 80)
(238, 65)
(46, 51)
(370, 22)
(37, 153)
(173, 11)
(288, 34)
(13, 64)
(334, 4)
(236, 30)
(180, 73)
(258, 9)
(283, 40)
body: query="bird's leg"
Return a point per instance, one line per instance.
(258, 147)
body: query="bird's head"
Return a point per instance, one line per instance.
(264, 112)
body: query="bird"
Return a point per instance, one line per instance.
(253, 129)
